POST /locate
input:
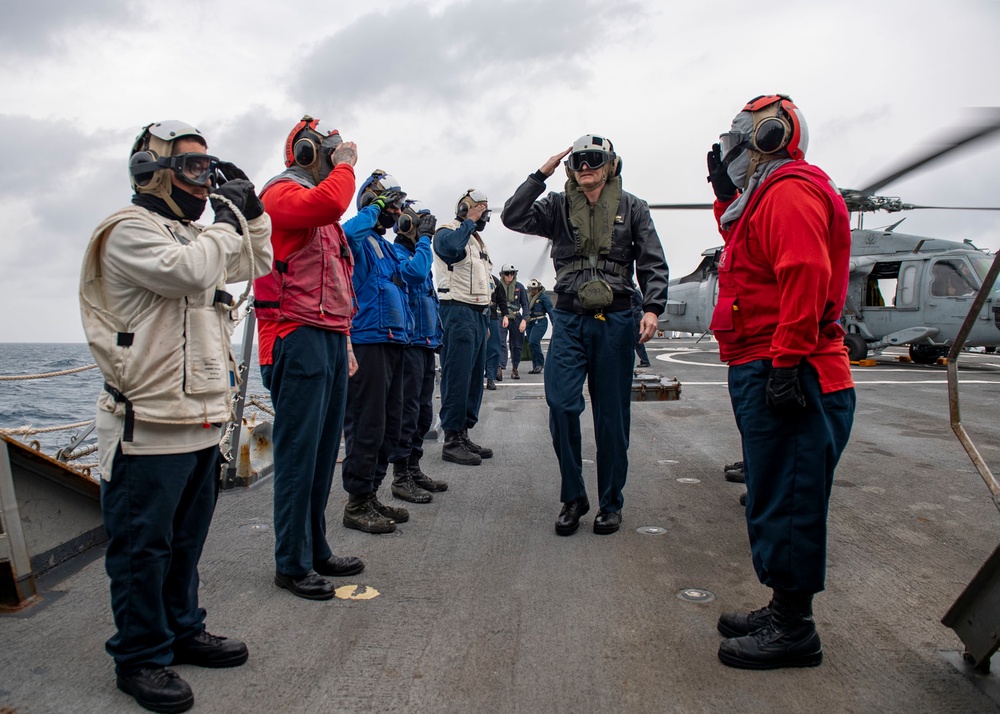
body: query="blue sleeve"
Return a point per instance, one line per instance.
(524, 299)
(450, 244)
(546, 304)
(357, 228)
(415, 268)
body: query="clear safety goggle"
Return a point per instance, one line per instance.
(591, 157)
(477, 196)
(195, 169)
(732, 140)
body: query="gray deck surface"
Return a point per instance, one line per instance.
(482, 608)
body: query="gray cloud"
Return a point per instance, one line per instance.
(464, 52)
(36, 28)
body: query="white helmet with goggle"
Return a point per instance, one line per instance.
(152, 159)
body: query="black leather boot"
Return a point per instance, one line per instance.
(423, 480)
(157, 689)
(456, 450)
(788, 640)
(394, 513)
(404, 487)
(361, 515)
(481, 451)
(740, 624)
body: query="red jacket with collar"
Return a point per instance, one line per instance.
(783, 276)
(310, 282)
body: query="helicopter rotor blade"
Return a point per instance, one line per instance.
(680, 206)
(910, 206)
(986, 124)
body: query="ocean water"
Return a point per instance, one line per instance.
(57, 401)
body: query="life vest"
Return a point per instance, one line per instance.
(312, 286)
(468, 279)
(172, 362)
(746, 315)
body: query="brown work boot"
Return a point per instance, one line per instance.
(514, 374)
(361, 514)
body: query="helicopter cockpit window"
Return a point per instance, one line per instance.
(982, 265)
(952, 278)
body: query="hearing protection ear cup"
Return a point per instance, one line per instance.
(618, 166)
(138, 158)
(771, 135)
(463, 209)
(404, 223)
(366, 198)
(306, 152)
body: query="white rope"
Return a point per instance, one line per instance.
(26, 430)
(247, 248)
(259, 405)
(16, 377)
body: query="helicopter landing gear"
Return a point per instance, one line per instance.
(928, 354)
(857, 348)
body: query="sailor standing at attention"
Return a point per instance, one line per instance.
(160, 323)
(783, 279)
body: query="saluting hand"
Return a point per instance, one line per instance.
(550, 166)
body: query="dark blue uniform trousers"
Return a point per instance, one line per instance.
(513, 337)
(463, 359)
(418, 400)
(374, 415)
(493, 350)
(600, 352)
(789, 462)
(535, 333)
(308, 385)
(156, 511)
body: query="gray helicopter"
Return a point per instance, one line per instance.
(903, 289)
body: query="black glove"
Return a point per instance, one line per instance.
(389, 197)
(229, 171)
(784, 393)
(427, 225)
(723, 186)
(243, 195)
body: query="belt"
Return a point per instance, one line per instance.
(606, 266)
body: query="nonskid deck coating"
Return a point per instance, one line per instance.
(481, 607)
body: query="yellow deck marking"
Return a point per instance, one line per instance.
(356, 592)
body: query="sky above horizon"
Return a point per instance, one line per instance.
(449, 95)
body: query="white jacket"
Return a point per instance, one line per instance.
(147, 299)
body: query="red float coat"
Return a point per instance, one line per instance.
(783, 276)
(310, 281)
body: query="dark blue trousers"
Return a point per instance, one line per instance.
(789, 462)
(463, 359)
(418, 399)
(374, 415)
(308, 385)
(535, 333)
(493, 350)
(512, 337)
(157, 510)
(600, 352)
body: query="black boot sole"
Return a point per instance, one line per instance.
(432, 488)
(463, 462)
(180, 706)
(567, 530)
(409, 498)
(810, 660)
(369, 529)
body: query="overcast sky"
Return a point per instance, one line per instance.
(451, 95)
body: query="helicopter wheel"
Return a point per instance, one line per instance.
(927, 354)
(857, 348)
